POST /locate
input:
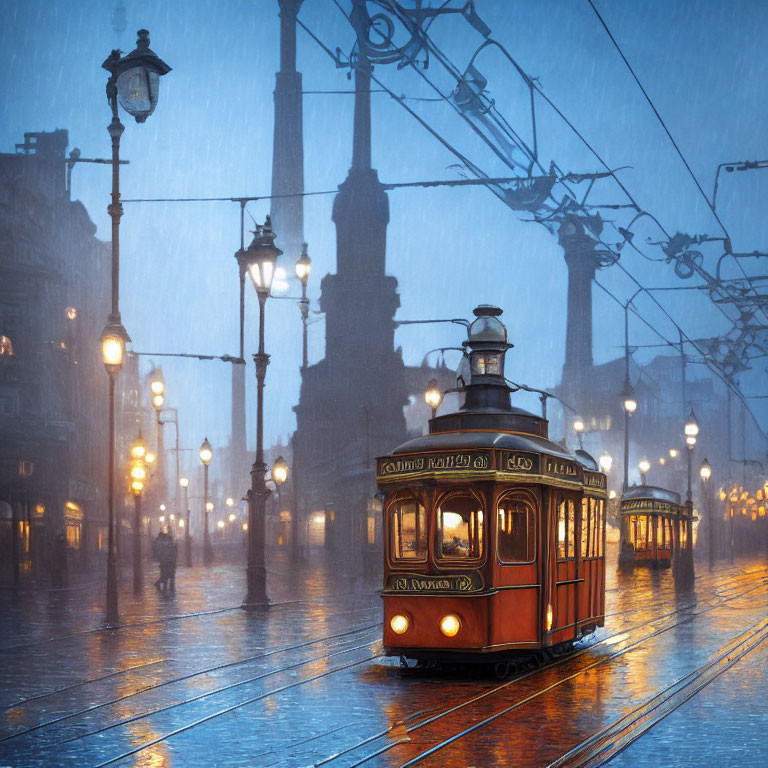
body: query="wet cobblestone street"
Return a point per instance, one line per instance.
(194, 680)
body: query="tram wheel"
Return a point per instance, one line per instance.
(403, 662)
(501, 669)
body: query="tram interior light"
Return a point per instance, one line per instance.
(451, 520)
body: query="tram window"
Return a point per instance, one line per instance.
(460, 527)
(585, 527)
(562, 530)
(571, 529)
(516, 530)
(409, 531)
(642, 533)
(600, 527)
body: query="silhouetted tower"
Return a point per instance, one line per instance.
(582, 262)
(288, 147)
(351, 405)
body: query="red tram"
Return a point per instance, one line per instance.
(655, 525)
(495, 536)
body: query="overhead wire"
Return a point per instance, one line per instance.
(674, 144)
(712, 365)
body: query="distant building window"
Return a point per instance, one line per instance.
(6, 348)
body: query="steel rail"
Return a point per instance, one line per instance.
(497, 688)
(155, 686)
(618, 735)
(486, 721)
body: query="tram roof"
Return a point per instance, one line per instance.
(494, 440)
(651, 492)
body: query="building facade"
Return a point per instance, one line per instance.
(54, 299)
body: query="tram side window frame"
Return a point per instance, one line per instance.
(395, 525)
(566, 524)
(530, 503)
(477, 528)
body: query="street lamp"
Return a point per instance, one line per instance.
(279, 475)
(133, 83)
(138, 479)
(184, 483)
(606, 462)
(259, 260)
(433, 396)
(691, 430)
(645, 467)
(578, 428)
(629, 404)
(206, 454)
(705, 472)
(303, 268)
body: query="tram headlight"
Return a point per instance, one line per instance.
(450, 625)
(550, 618)
(399, 624)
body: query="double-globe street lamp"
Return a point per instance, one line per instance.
(206, 454)
(139, 476)
(134, 84)
(259, 259)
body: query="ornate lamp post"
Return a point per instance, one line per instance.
(645, 467)
(433, 396)
(629, 404)
(259, 259)
(133, 84)
(206, 454)
(184, 483)
(578, 428)
(705, 472)
(303, 267)
(691, 432)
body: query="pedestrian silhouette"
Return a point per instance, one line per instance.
(165, 551)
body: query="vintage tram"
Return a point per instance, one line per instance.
(655, 526)
(495, 536)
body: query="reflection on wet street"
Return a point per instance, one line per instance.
(195, 681)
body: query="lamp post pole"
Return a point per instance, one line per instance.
(134, 83)
(207, 549)
(138, 575)
(257, 495)
(260, 259)
(184, 483)
(206, 454)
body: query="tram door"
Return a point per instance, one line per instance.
(591, 557)
(566, 571)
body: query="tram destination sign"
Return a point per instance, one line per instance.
(412, 582)
(521, 462)
(477, 461)
(653, 506)
(560, 468)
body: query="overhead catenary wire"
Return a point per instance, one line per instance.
(475, 169)
(675, 145)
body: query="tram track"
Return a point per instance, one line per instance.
(181, 678)
(727, 585)
(26, 644)
(618, 735)
(611, 639)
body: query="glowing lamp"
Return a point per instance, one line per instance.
(280, 470)
(303, 265)
(399, 624)
(206, 454)
(450, 625)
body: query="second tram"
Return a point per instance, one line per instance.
(655, 526)
(495, 536)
